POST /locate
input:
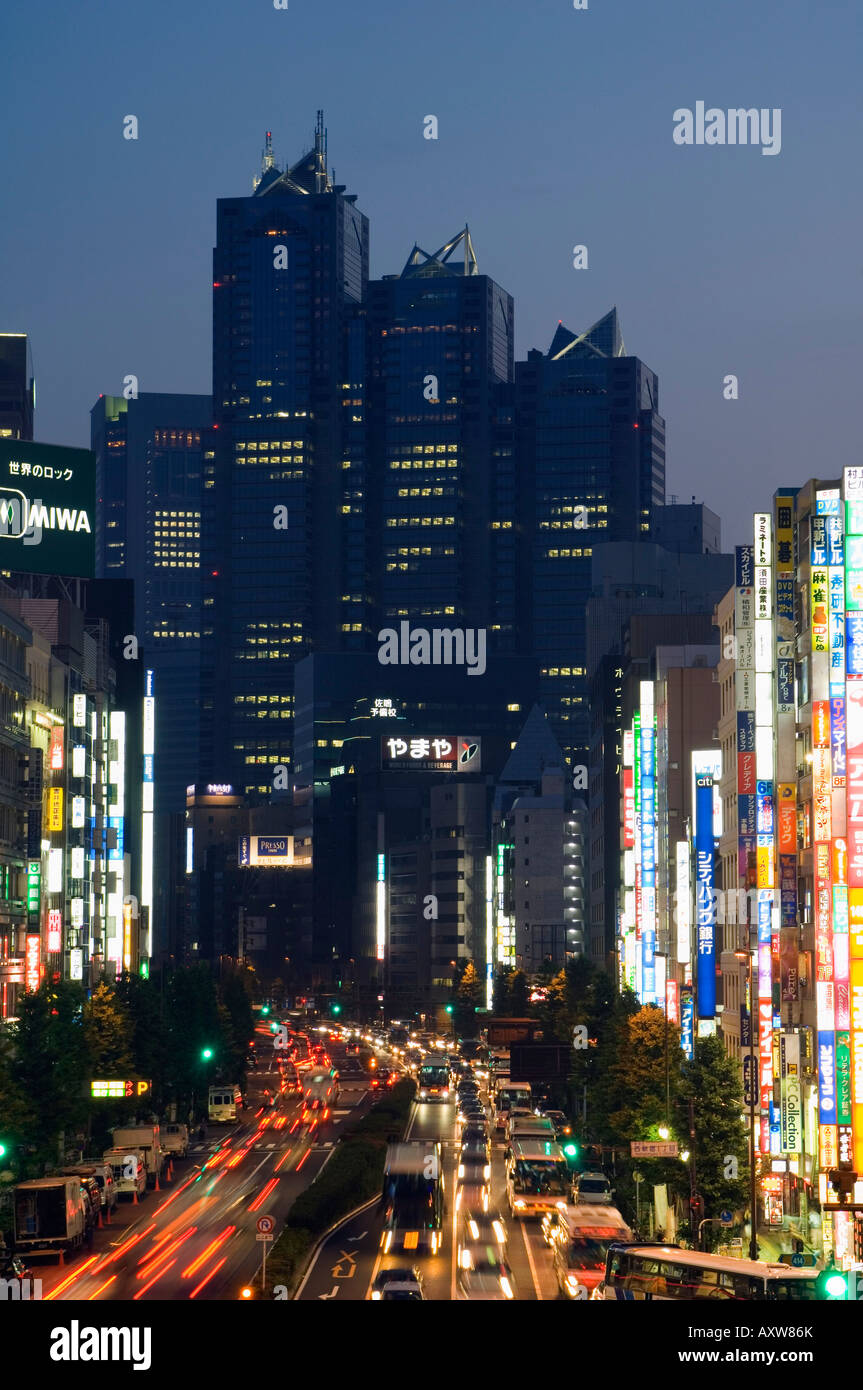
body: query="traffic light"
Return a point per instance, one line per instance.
(265, 1009)
(570, 1150)
(274, 1027)
(206, 1054)
(3, 1149)
(832, 1285)
(448, 1008)
(336, 1008)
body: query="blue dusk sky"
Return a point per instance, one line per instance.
(555, 129)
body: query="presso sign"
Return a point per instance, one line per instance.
(275, 851)
(47, 509)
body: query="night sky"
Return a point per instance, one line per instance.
(555, 128)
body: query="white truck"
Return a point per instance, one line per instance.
(49, 1214)
(130, 1170)
(175, 1139)
(146, 1138)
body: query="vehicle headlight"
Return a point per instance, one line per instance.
(506, 1286)
(519, 1206)
(572, 1284)
(376, 1297)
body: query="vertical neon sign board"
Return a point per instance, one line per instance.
(648, 846)
(704, 898)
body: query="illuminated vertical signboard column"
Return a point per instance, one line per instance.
(505, 927)
(828, 509)
(381, 908)
(648, 845)
(765, 851)
(628, 914)
(489, 931)
(744, 681)
(148, 807)
(822, 835)
(786, 1126)
(639, 909)
(703, 773)
(853, 497)
(683, 900)
(117, 824)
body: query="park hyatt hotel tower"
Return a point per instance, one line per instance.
(285, 566)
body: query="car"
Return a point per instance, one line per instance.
(488, 1282)
(562, 1126)
(479, 1235)
(467, 1087)
(399, 1283)
(593, 1187)
(475, 1131)
(472, 1197)
(476, 1148)
(474, 1168)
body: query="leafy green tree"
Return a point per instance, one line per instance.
(711, 1083)
(645, 1067)
(193, 1026)
(501, 996)
(238, 1024)
(45, 1077)
(144, 1004)
(519, 995)
(468, 997)
(108, 1034)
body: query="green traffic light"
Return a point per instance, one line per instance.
(274, 1027)
(836, 1286)
(337, 1008)
(448, 1008)
(265, 1009)
(206, 1053)
(2, 1150)
(570, 1150)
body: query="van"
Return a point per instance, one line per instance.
(175, 1140)
(223, 1102)
(103, 1174)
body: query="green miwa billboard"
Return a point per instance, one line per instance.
(47, 509)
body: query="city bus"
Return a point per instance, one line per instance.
(537, 1177)
(412, 1199)
(434, 1080)
(669, 1273)
(510, 1095)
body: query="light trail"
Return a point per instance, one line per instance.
(153, 1281)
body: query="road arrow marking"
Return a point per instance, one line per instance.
(330, 1295)
(351, 1239)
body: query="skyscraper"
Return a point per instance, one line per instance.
(285, 568)
(591, 446)
(17, 387)
(440, 346)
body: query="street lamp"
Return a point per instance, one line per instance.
(753, 1191)
(664, 1131)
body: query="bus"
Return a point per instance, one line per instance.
(434, 1080)
(223, 1103)
(537, 1177)
(413, 1199)
(669, 1273)
(510, 1095)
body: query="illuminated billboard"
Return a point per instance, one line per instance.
(265, 851)
(47, 508)
(438, 753)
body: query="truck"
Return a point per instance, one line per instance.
(175, 1139)
(49, 1214)
(146, 1138)
(412, 1199)
(130, 1170)
(104, 1176)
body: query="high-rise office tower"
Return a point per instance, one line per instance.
(285, 562)
(17, 387)
(591, 446)
(440, 350)
(150, 455)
